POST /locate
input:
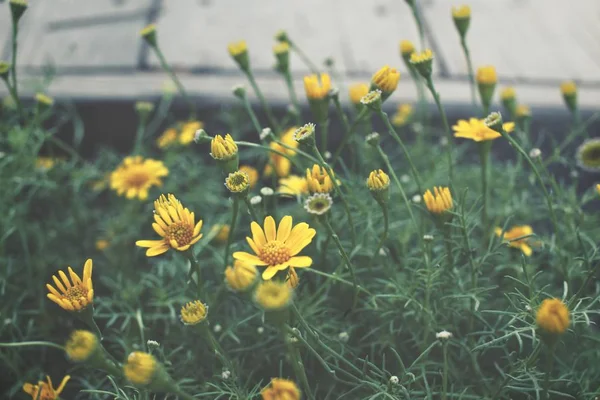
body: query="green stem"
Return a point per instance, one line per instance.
(484, 151)
(550, 367)
(415, 11)
(393, 133)
(440, 107)
(13, 72)
(234, 214)
(447, 229)
(296, 361)
(251, 209)
(184, 395)
(384, 211)
(463, 44)
(304, 57)
(139, 135)
(33, 343)
(262, 100)
(167, 68)
(195, 265)
(347, 261)
(87, 316)
(324, 133)
(445, 372)
(348, 133)
(252, 115)
(288, 81)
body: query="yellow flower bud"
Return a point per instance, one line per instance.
(272, 295)
(378, 180)
(140, 367)
(193, 312)
(81, 345)
(553, 316)
(223, 148)
(241, 276)
(439, 201)
(318, 180)
(386, 80)
(406, 48)
(316, 90)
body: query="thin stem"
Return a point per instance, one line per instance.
(251, 209)
(348, 133)
(252, 115)
(465, 48)
(393, 133)
(234, 214)
(445, 372)
(447, 229)
(324, 133)
(347, 261)
(167, 68)
(440, 107)
(384, 211)
(13, 71)
(550, 367)
(288, 81)
(296, 361)
(33, 343)
(262, 100)
(304, 58)
(484, 151)
(139, 134)
(415, 11)
(195, 265)
(184, 395)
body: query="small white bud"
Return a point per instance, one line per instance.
(260, 330)
(344, 337)
(267, 191)
(535, 153)
(394, 380)
(153, 344)
(444, 142)
(254, 200)
(226, 374)
(327, 155)
(416, 198)
(443, 335)
(382, 251)
(405, 178)
(428, 238)
(265, 133)
(218, 328)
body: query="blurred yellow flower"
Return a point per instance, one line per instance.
(439, 201)
(45, 163)
(508, 93)
(252, 172)
(237, 48)
(45, 390)
(193, 312)
(175, 224)
(422, 57)
(568, 88)
(523, 111)
(517, 232)
(273, 295)
(319, 180)
(486, 75)
(223, 148)
(293, 185)
(281, 389)
(168, 138)
(598, 188)
(222, 232)
(553, 316)
(241, 276)
(461, 12)
(315, 89)
(140, 367)
(281, 47)
(357, 91)
(281, 163)
(378, 180)
(406, 48)
(102, 244)
(402, 115)
(277, 248)
(75, 294)
(476, 129)
(386, 79)
(188, 130)
(81, 345)
(44, 99)
(135, 176)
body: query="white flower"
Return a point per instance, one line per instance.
(254, 200)
(382, 252)
(394, 380)
(218, 328)
(327, 155)
(153, 344)
(260, 330)
(267, 191)
(265, 133)
(416, 198)
(443, 335)
(343, 337)
(226, 374)
(428, 238)
(535, 153)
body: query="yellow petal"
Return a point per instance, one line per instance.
(149, 243)
(249, 258)
(65, 279)
(257, 234)
(270, 229)
(300, 261)
(197, 228)
(87, 270)
(285, 227)
(74, 277)
(269, 273)
(52, 290)
(58, 284)
(158, 250)
(252, 245)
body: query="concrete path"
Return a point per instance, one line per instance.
(94, 48)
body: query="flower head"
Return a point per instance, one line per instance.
(386, 79)
(140, 367)
(568, 88)
(463, 11)
(4, 70)
(373, 139)
(439, 201)
(75, 294)
(423, 62)
(252, 173)
(508, 93)
(462, 17)
(241, 276)
(372, 100)
(293, 185)
(357, 91)
(175, 224)
(588, 155)
(273, 295)
(148, 33)
(406, 48)
(522, 111)
(193, 312)
(598, 188)
(44, 99)
(167, 139)
(487, 75)
(315, 89)
(443, 335)
(318, 203)
(477, 130)
(402, 115)
(44, 163)
(45, 390)
(188, 131)
(319, 180)
(553, 316)
(277, 248)
(102, 244)
(281, 389)
(237, 182)
(378, 180)
(281, 47)
(135, 176)
(513, 234)
(81, 345)
(223, 148)
(236, 49)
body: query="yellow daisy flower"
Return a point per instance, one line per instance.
(81, 345)
(553, 316)
(45, 390)
(193, 312)
(402, 115)
(282, 164)
(476, 129)
(281, 389)
(386, 79)
(75, 294)
(277, 248)
(102, 244)
(175, 224)
(237, 48)
(486, 75)
(293, 185)
(188, 130)
(439, 201)
(135, 176)
(516, 232)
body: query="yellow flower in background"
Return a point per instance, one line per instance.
(439, 201)
(252, 173)
(522, 111)
(98, 185)
(319, 180)
(175, 224)
(45, 163)
(44, 99)
(45, 390)
(315, 89)
(386, 79)
(75, 294)
(222, 232)
(508, 93)
(273, 295)
(357, 91)
(553, 316)
(293, 185)
(168, 138)
(135, 176)
(241, 276)
(277, 248)
(281, 163)
(237, 48)
(476, 129)
(402, 115)
(517, 232)
(598, 188)
(461, 12)
(188, 130)
(406, 48)
(486, 75)
(378, 180)
(568, 88)
(281, 389)
(140, 367)
(81, 345)
(193, 312)
(223, 148)
(102, 244)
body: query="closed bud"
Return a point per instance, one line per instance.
(282, 54)
(4, 70)
(372, 100)
(149, 35)
(486, 83)
(202, 137)
(569, 93)
(373, 139)
(423, 62)
(17, 8)
(378, 183)
(462, 17)
(239, 52)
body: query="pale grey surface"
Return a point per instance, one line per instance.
(96, 49)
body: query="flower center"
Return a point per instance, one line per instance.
(137, 178)
(274, 252)
(181, 232)
(75, 293)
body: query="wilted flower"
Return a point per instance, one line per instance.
(45, 390)
(281, 389)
